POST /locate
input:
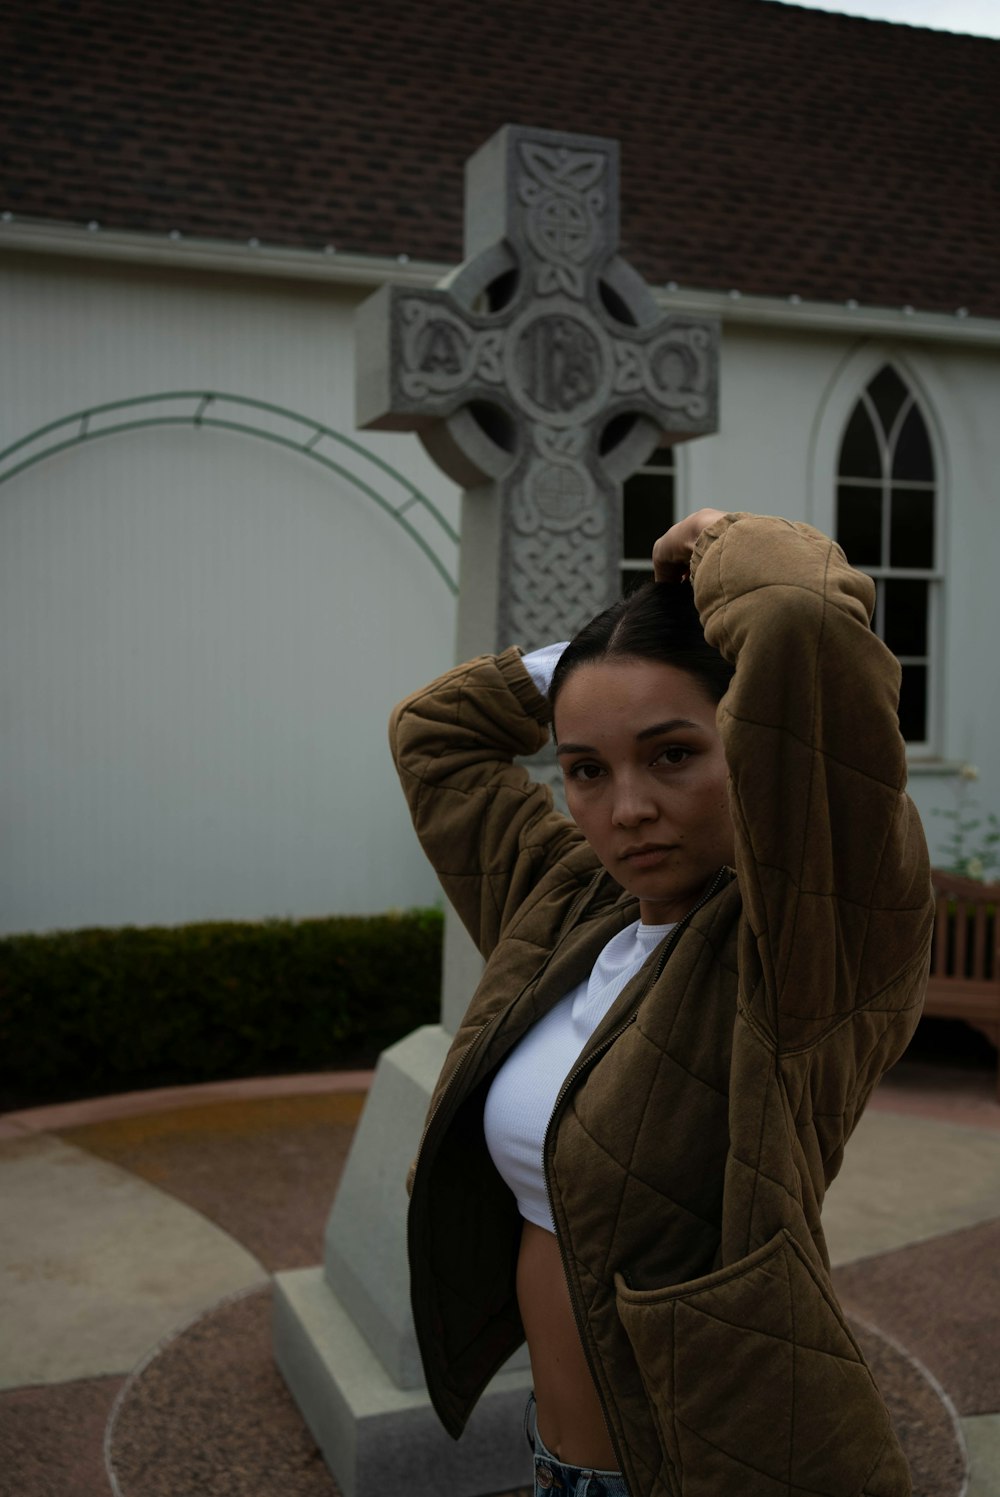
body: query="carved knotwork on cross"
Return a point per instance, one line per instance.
(541, 367)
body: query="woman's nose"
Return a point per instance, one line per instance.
(632, 804)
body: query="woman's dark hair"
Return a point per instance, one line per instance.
(656, 622)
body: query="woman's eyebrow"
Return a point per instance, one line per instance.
(670, 726)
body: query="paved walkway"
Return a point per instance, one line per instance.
(138, 1236)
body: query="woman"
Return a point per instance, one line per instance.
(690, 991)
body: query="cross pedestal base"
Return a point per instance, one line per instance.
(343, 1336)
(377, 1438)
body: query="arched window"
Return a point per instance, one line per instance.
(886, 523)
(647, 511)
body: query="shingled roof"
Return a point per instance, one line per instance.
(765, 147)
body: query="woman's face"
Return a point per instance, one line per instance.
(646, 779)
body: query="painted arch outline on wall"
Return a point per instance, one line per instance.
(215, 410)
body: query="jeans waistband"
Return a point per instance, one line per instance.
(556, 1478)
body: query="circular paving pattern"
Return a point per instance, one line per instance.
(208, 1411)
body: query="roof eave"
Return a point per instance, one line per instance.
(34, 236)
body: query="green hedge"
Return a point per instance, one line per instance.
(94, 1011)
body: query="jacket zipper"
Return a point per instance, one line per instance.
(564, 1090)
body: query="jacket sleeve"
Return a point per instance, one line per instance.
(830, 852)
(489, 830)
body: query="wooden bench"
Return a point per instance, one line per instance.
(964, 980)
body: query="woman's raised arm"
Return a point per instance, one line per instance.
(831, 855)
(488, 829)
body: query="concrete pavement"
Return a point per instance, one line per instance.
(138, 1236)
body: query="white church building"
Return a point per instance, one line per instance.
(213, 587)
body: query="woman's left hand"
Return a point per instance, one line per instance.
(672, 552)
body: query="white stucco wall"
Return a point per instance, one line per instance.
(201, 633)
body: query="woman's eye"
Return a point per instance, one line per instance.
(585, 771)
(674, 753)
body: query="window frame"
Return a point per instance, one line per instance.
(934, 575)
(640, 567)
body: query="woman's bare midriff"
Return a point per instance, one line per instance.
(570, 1417)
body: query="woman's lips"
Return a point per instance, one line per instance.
(647, 856)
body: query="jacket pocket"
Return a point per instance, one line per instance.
(756, 1385)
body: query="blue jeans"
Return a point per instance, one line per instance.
(553, 1478)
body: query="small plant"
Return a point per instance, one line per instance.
(972, 848)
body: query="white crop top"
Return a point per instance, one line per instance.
(523, 1092)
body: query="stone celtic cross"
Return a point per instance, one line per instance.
(538, 376)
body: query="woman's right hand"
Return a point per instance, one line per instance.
(672, 552)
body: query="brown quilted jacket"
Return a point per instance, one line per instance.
(692, 1145)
